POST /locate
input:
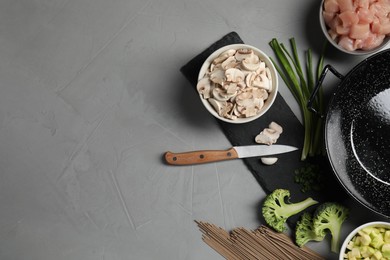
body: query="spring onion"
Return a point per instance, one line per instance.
(301, 84)
(309, 177)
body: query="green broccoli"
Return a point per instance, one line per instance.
(276, 211)
(304, 230)
(330, 216)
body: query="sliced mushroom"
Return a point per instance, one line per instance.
(245, 99)
(224, 55)
(219, 106)
(250, 77)
(268, 73)
(272, 133)
(267, 136)
(251, 111)
(250, 66)
(258, 83)
(226, 110)
(261, 68)
(218, 76)
(263, 139)
(251, 63)
(262, 81)
(221, 95)
(231, 88)
(234, 75)
(259, 103)
(231, 114)
(215, 67)
(204, 87)
(230, 62)
(238, 110)
(241, 84)
(242, 54)
(275, 126)
(266, 81)
(269, 76)
(260, 93)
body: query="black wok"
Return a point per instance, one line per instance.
(357, 131)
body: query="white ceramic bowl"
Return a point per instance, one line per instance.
(334, 43)
(356, 230)
(271, 97)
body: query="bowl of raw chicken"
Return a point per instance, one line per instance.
(356, 27)
(237, 83)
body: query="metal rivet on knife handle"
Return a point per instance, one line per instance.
(197, 157)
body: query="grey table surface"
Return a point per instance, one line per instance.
(91, 96)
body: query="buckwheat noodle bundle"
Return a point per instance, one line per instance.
(262, 243)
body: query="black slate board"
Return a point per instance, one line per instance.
(281, 174)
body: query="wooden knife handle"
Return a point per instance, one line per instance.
(197, 157)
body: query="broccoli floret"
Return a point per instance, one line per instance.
(304, 230)
(330, 216)
(276, 211)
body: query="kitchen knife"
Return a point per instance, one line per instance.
(205, 156)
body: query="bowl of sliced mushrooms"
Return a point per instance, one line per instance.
(237, 83)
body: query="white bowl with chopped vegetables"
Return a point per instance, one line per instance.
(368, 241)
(237, 83)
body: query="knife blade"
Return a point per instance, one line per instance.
(235, 152)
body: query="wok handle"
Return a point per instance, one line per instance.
(319, 84)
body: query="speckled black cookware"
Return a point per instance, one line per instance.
(357, 132)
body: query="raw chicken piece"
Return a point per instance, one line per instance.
(380, 8)
(342, 30)
(328, 16)
(333, 34)
(346, 5)
(331, 6)
(347, 43)
(380, 27)
(359, 31)
(358, 44)
(348, 18)
(362, 3)
(365, 16)
(372, 41)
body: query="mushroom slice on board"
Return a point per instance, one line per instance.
(275, 126)
(267, 136)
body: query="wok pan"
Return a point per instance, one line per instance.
(357, 131)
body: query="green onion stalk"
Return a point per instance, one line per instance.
(301, 84)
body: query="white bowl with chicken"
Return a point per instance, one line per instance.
(356, 27)
(237, 83)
